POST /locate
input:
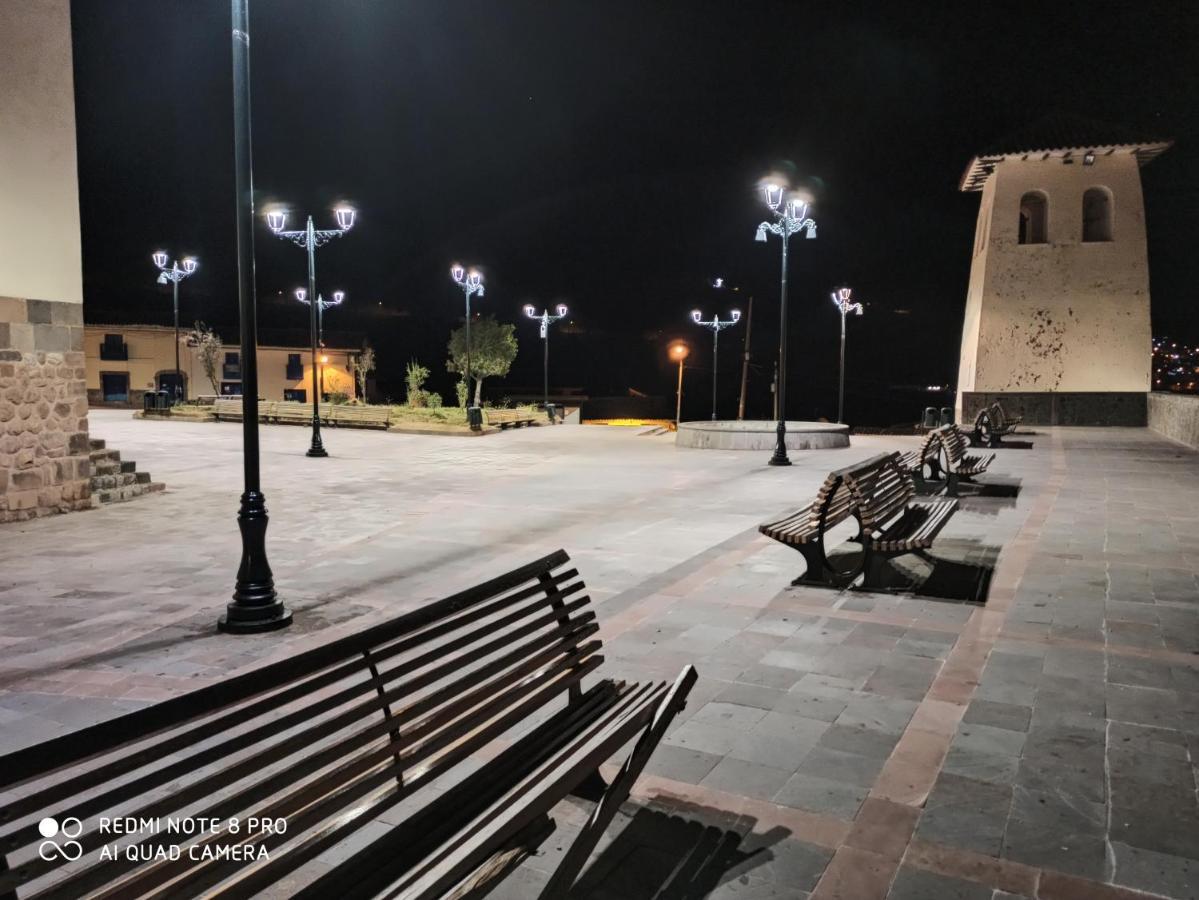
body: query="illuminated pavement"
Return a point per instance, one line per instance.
(845, 744)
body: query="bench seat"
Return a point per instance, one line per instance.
(418, 758)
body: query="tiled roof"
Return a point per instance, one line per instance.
(1061, 134)
(1066, 131)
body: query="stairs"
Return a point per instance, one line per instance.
(114, 480)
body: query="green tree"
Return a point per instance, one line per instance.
(206, 344)
(492, 350)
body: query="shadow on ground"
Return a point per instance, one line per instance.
(679, 855)
(960, 570)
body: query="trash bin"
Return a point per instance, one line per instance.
(946, 415)
(474, 417)
(930, 417)
(164, 399)
(148, 401)
(550, 411)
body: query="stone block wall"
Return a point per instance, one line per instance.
(1176, 416)
(44, 462)
(1111, 408)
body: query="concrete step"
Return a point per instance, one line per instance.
(100, 455)
(95, 444)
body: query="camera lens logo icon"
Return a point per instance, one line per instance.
(59, 843)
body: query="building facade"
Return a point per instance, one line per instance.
(44, 464)
(1057, 311)
(125, 361)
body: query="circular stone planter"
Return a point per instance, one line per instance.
(760, 435)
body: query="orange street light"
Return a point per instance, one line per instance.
(679, 351)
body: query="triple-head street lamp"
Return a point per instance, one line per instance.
(174, 271)
(546, 320)
(791, 217)
(717, 325)
(841, 298)
(311, 238)
(471, 283)
(321, 305)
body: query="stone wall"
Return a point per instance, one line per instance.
(1175, 416)
(44, 462)
(1118, 408)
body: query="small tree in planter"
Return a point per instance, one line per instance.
(493, 348)
(363, 364)
(414, 378)
(206, 344)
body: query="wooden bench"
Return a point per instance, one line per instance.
(420, 757)
(291, 412)
(229, 409)
(951, 463)
(877, 493)
(923, 457)
(346, 415)
(505, 417)
(992, 423)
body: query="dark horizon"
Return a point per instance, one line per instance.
(607, 157)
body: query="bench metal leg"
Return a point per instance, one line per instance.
(572, 863)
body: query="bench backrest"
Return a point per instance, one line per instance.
(328, 740)
(377, 415)
(881, 488)
(998, 418)
(507, 415)
(833, 504)
(953, 441)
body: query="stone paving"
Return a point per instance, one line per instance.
(838, 744)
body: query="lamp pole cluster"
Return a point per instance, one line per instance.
(471, 283)
(841, 298)
(309, 239)
(717, 325)
(791, 217)
(174, 271)
(321, 305)
(546, 321)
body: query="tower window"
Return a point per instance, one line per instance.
(1097, 215)
(1034, 218)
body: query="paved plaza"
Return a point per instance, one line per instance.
(847, 745)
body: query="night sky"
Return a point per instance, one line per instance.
(605, 155)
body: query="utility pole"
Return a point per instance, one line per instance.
(749, 324)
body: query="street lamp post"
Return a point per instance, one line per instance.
(471, 283)
(169, 270)
(311, 238)
(717, 325)
(256, 606)
(790, 218)
(321, 305)
(546, 321)
(679, 351)
(845, 306)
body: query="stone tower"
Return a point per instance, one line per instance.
(1057, 312)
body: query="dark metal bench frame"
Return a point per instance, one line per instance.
(991, 424)
(339, 735)
(879, 497)
(951, 463)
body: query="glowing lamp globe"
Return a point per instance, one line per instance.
(561, 309)
(735, 315)
(696, 316)
(678, 352)
(345, 217)
(530, 311)
(276, 219)
(301, 294)
(338, 296)
(457, 273)
(189, 264)
(160, 259)
(773, 194)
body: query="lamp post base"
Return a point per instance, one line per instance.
(317, 448)
(255, 605)
(780, 449)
